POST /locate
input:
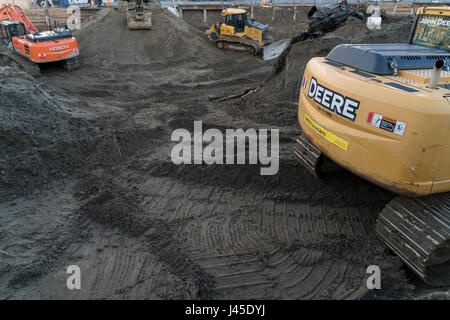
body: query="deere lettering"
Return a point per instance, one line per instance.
(333, 101)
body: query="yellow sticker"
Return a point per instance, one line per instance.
(327, 135)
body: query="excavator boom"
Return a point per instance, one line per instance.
(15, 13)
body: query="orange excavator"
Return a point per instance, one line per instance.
(20, 36)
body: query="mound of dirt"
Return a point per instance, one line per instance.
(280, 90)
(171, 40)
(36, 131)
(280, 21)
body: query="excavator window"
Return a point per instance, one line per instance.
(17, 30)
(433, 31)
(10, 30)
(5, 35)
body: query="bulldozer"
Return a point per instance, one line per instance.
(139, 18)
(382, 111)
(238, 32)
(27, 46)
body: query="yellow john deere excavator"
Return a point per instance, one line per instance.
(382, 111)
(238, 32)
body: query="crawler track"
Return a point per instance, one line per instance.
(418, 230)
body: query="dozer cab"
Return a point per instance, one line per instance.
(139, 18)
(238, 32)
(382, 111)
(20, 36)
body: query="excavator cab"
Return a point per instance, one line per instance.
(10, 29)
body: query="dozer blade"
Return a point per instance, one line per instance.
(307, 154)
(139, 21)
(418, 231)
(274, 50)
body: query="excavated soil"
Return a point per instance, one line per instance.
(86, 179)
(280, 21)
(281, 85)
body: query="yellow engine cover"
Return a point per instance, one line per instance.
(397, 139)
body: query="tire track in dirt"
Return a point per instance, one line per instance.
(34, 234)
(212, 234)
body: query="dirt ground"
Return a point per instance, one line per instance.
(87, 179)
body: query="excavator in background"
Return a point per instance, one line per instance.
(238, 32)
(382, 111)
(321, 20)
(139, 18)
(22, 38)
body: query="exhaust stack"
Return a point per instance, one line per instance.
(436, 73)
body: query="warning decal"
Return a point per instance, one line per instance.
(327, 135)
(388, 124)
